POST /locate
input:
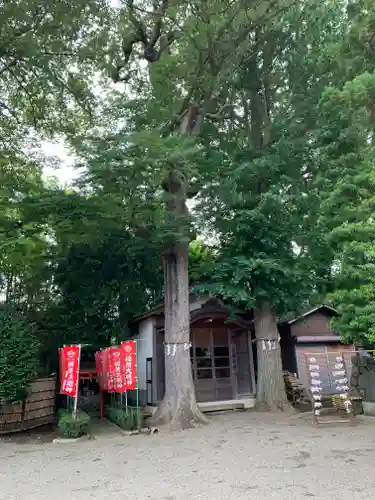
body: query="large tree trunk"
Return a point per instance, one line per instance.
(179, 407)
(271, 392)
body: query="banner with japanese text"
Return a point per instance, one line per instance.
(99, 368)
(108, 374)
(69, 368)
(117, 367)
(130, 364)
(116, 364)
(61, 364)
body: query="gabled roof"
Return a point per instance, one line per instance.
(330, 310)
(155, 311)
(159, 309)
(209, 303)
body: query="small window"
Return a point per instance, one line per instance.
(204, 373)
(202, 352)
(221, 351)
(222, 373)
(203, 362)
(222, 362)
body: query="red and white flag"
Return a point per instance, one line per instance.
(129, 350)
(69, 367)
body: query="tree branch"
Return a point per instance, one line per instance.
(159, 11)
(138, 25)
(30, 97)
(4, 106)
(8, 65)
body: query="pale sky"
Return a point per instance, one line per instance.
(65, 172)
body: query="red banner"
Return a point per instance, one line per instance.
(116, 369)
(69, 367)
(105, 369)
(130, 364)
(61, 364)
(99, 368)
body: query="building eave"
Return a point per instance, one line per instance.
(312, 311)
(318, 339)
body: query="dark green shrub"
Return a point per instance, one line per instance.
(126, 420)
(73, 427)
(19, 355)
(61, 412)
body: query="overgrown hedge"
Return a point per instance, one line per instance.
(73, 427)
(19, 355)
(125, 419)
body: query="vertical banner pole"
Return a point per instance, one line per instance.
(77, 384)
(101, 404)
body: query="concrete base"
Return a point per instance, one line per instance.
(86, 437)
(231, 404)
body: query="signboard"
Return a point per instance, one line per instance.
(327, 376)
(69, 370)
(130, 364)
(315, 383)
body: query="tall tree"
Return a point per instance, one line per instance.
(261, 206)
(347, 208)
(190, 50)
(345, 178)
(44, 65)
(24, 270)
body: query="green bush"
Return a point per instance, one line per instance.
(61, 412)
(126, 420)
(73, 427)
(19, 355)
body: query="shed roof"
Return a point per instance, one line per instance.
(330, 311)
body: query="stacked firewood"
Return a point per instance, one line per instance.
(294, 389)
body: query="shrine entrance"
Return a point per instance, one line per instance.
(212, 363)
(221, 355)
(89, 395)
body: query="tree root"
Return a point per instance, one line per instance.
(177, 418)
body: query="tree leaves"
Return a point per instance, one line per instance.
(18, 355)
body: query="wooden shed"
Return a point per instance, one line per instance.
(221, 355)
(312, 334)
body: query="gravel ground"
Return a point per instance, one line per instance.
(239, 456)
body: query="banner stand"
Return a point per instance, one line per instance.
(77, 384)
(119, 361)
(69, 360)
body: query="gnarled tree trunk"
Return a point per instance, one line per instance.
(179, 407)
(271, 392)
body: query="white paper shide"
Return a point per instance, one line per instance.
(315, 384)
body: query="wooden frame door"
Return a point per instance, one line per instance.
(212, 365)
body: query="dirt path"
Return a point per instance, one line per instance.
(239, 456)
